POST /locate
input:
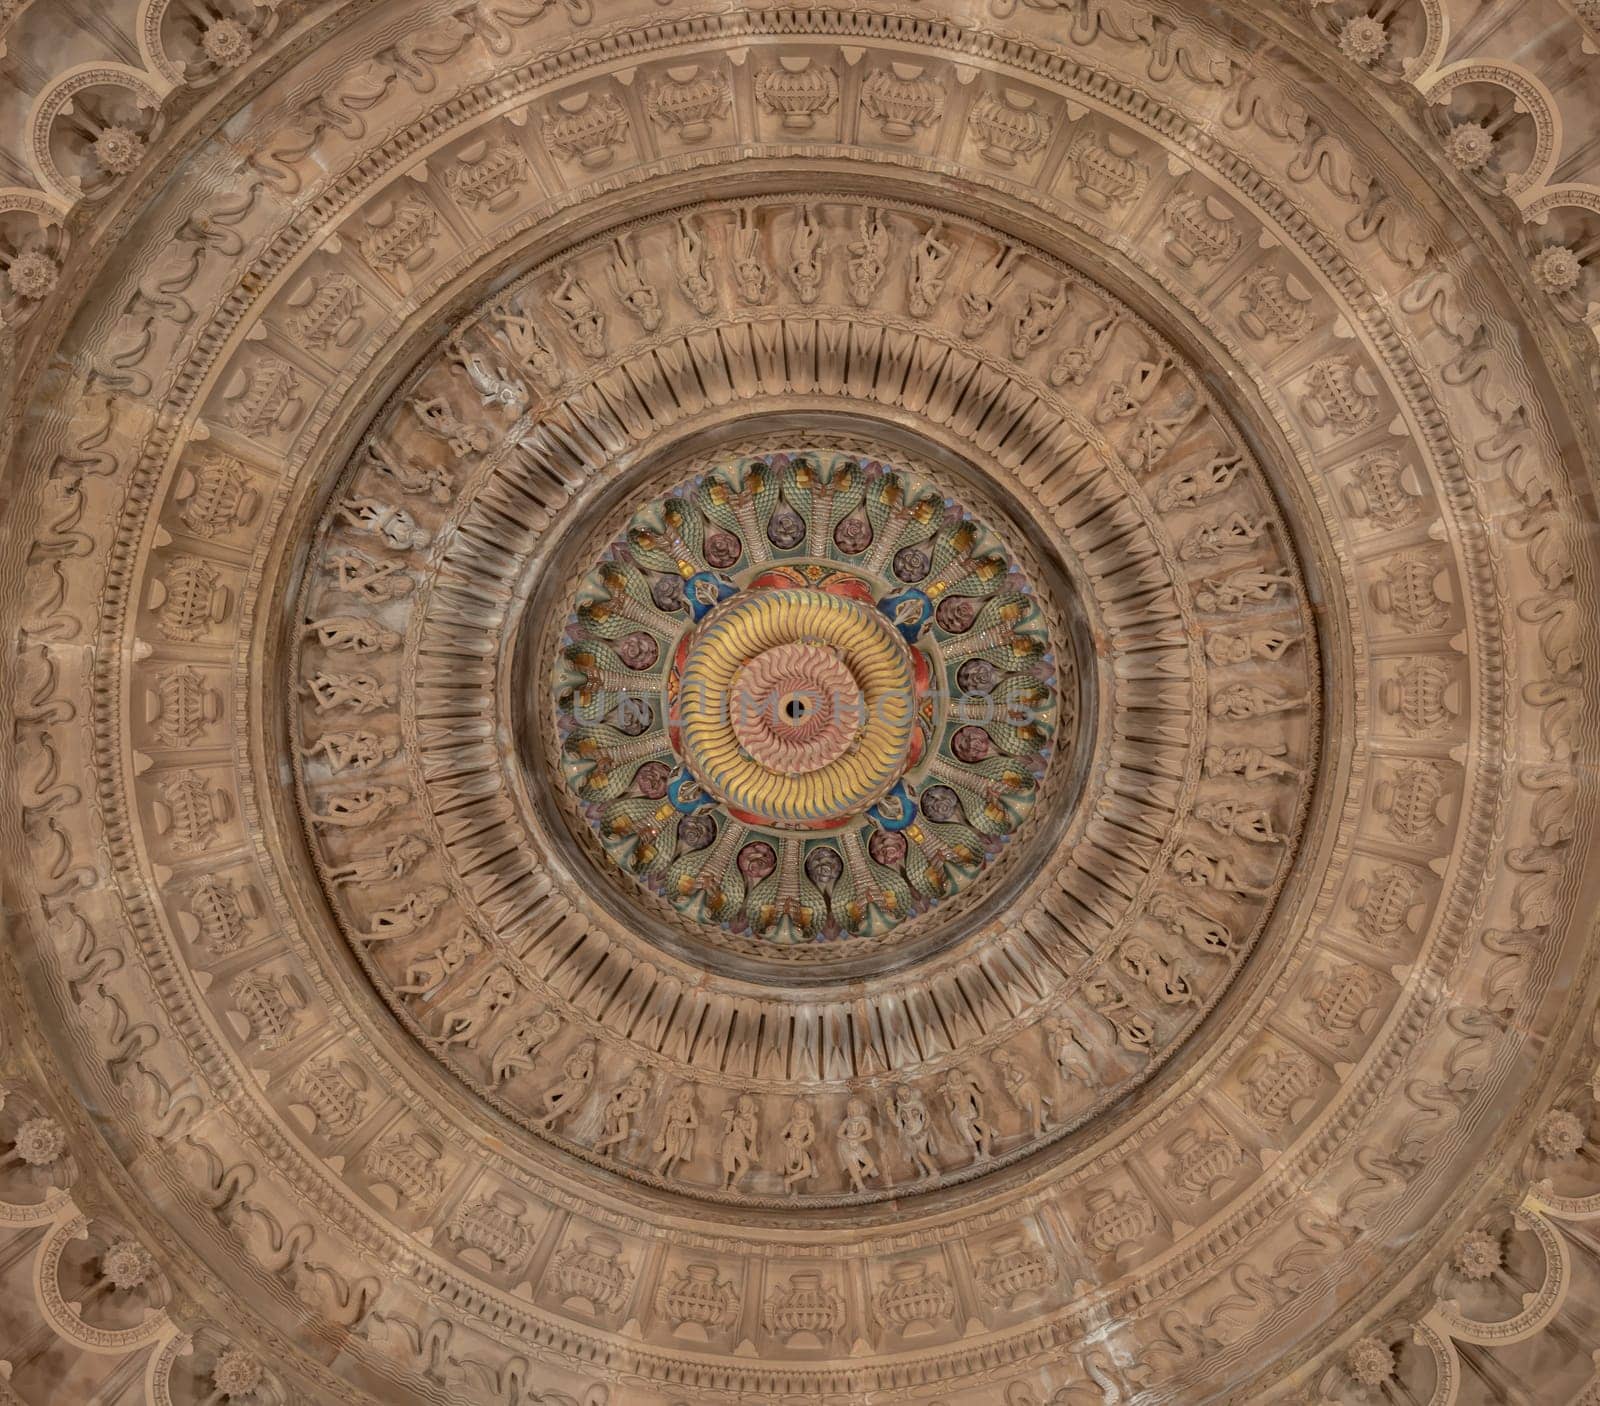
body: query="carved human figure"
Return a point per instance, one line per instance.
(1248, 762)
(1234, 533)
(360, 693)
(1251, 700)
(628, 282)
(1198, 929)
(965, 1100)
(464, 1024)
(986, 286)
(1076, 363)
(855, 1132)
(1250, 823)
(572, 299)
(518, 1050)
(354, 634)
(577, 1073)
(749, 262)
(692, 260)
(1069, 1053)
(675, 1141)
(357, 574)
(394, 861)
(527, 344)
(799, 1134)
(1240, 646)
(405, 915)
(1165, 978)
(626, 1103)
(869, 256)
(739, 1129)
(491, 382)
(1041, 311)
(426, 972)
(442, 422)
(1249, 585)
(1122, 398)
(910, 1114)
(360, 808)
(804, 266)
(1191, 486)
(353, 751)
(931, 259)
(431, 481)
(1022, 1091)
(1197, 869)
(1133, 1028)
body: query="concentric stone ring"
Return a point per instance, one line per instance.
(832, 657)
(395, 1007)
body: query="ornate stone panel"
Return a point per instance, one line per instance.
(875, 706)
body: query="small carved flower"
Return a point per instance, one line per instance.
(1560, 1134)
(1477, 1254)
(226, 43)
(1556, 269)
(41, 1141)
(1364, 39)
(127, 1264)
(1370, 1362)
(237, 1374)
(1469, 145)
(33, 274)
(118, 150)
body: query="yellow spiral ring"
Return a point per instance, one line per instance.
(877, 659)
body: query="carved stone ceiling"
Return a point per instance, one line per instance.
(881, 706)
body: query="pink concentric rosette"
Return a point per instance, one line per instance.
(796, 707)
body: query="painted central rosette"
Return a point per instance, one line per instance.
(797, 707)
(805, 697)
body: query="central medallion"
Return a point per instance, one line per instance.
(797, 708)
(797, 705)
(805, 697)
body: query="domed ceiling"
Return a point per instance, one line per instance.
(752, 705)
